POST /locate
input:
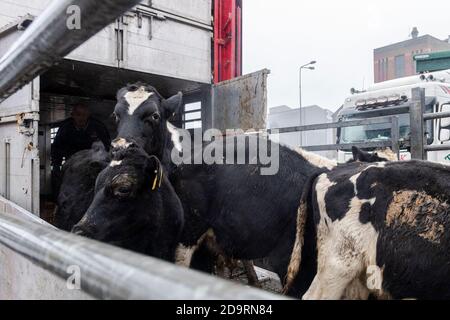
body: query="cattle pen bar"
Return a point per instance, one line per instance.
(392, 143)
(107, 272)
(49, 39)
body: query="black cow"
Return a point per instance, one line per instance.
(251, 216)
(379, 155)
(135, 206)
(380, 228)
(78, 182)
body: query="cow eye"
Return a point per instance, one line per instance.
(122, 192)
(124, 189)
(150, 119)
(122, 186)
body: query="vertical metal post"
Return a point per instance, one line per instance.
(300, 104)
(395, 135)
(417, 126)
(7, 170)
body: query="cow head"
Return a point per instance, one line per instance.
(142, 115)
(380, 155)
(126, 207)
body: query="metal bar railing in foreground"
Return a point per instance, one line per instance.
(48, 39)
(109, 272)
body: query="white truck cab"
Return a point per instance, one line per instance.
(388, 98)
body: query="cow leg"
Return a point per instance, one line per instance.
(337, 269)
(251, 274)
(221, 263)
(356, 291)
(328, 285)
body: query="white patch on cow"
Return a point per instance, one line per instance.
(121, 143)
(115, 163)
(356, 290)
(387, 154)
(354, 180)
(346, 248)
(175, 136)
(377, 165)
(317, 160)
(136, 98)
(322, 187)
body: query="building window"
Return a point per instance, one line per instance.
(384, 69)
(400, 66)
(380, 72)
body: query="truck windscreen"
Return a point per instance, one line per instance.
(375, 132)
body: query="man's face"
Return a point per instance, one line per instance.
(80, 115)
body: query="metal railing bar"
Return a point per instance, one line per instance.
(348, 146)
(438, 115)
(109, 272)
(439, 147)
(48, 39)
(333, 125)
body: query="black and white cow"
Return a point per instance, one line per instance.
(251, 216)
(378, 155)
(380, 229)
(135, 206)
(78, 181)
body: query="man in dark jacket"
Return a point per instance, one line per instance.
(76, 134)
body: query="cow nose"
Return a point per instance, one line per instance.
(122, 143)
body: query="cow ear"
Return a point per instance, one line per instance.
(173, 104)
(357, 154)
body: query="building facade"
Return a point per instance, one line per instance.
(397, 60)
(285, 117)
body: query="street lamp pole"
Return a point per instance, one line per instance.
(309, 67)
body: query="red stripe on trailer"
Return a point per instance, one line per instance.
(446, 89)
(227, 39)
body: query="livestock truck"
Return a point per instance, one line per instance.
(394, 98)
(175, 45)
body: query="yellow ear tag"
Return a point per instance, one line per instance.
(155, 181)
(161, 179)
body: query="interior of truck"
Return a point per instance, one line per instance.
(73, 82)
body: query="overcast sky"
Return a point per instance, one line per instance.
(341, 35)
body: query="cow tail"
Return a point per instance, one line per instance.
(296, 256)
